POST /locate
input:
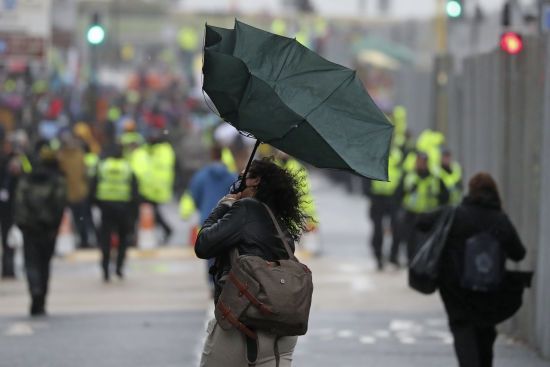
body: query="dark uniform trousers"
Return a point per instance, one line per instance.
(115, 218)
(38, 250)
(384, 207)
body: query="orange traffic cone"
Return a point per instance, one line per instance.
(65, 242)
(146, 232)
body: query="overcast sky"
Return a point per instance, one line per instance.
(399, 8)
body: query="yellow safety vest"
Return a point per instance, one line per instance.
(451, 181)
(26, 165)
(159, 187)
(114, 180)
(141, 167)
(388, 188)
(229, 160)
(421, 194)
(187, 205)
(91, 160)
(131, 137)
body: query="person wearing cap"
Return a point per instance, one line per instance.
(420, 191)
(40, 200)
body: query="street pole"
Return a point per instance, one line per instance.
(442, 67)
(441, 27)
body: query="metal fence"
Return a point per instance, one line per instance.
(499, 122)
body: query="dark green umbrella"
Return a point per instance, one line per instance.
(288, 96)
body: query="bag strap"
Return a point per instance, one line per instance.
(280, 233)
(233, 320)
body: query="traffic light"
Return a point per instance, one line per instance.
(511, 43)
(96, 33)
(455, 8)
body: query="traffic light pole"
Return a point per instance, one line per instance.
(441, 27)
(93, 83)
(442, 68)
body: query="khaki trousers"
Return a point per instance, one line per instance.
(227, 348)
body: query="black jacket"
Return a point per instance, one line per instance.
(471, 217)
(40, 200)
(245, 225)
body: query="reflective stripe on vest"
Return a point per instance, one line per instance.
(421, 194)
(114, 180)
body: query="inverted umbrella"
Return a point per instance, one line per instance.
(288, 96)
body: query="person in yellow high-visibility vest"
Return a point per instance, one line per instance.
(114, 189)
(159, 188)
(420, 191)
(384, 204)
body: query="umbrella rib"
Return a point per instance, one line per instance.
(352, 75)
(304, 118)
(284, 62)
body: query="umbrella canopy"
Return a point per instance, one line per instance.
(288, 96)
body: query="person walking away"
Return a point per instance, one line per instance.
(472, 315)
(241, 221)
(159, 189)
(40, 200)
(384, 204)
(116, 194)
(451, 174)
(14, 163)
(420, 191)
(206, 188)
(71, 159)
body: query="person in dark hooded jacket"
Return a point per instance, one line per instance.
(472, 315)
(40, 200)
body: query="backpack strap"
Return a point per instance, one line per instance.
(280, 233)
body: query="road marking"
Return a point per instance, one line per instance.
(345, 334)
(367, 339)
(401, 325)
(382, 334)
(19, 329)
(407, 340)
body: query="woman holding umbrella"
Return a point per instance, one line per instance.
(241, 220)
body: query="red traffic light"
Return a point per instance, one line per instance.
(511, 43)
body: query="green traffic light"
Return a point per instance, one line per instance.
(95, 35)
(454, 9)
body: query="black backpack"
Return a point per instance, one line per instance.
(41, 203)
(483, 263)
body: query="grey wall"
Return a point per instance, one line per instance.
(499, 122)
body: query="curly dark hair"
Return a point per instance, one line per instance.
(282, 191)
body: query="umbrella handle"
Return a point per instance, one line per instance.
(243, 181)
